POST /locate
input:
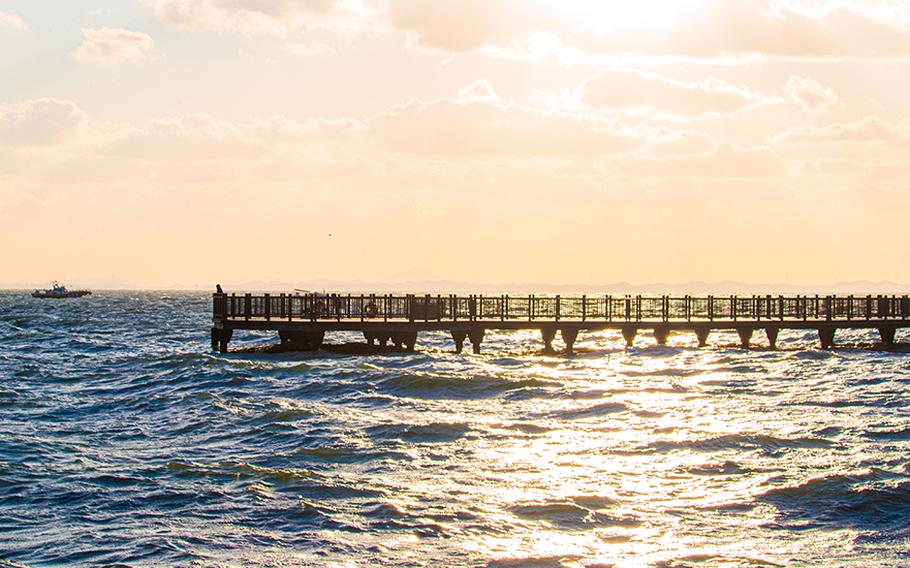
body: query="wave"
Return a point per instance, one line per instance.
(455, 387)
(863, 502)
(733, 442)
(570, 515)
(434, 432)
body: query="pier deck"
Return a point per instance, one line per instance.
(302, 320)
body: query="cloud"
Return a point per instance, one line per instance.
(690, 28)
(11, 22)
(40, 122)
(867, 130)
(113, 45)
(487, 128)
(261, 16)
(810, 95)
(616, 88)
(725, 160)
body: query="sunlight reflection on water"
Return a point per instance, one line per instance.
(141, 447)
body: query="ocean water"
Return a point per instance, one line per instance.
(125, 441)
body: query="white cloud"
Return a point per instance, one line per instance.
(810, 95)
(620, 88)
(487, 128)
(687, 28)
(113, 45)
(263, 16)
(39, 122)
(868, 130)
(12, 22)
(726, 160)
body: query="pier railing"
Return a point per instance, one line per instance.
(586, 308)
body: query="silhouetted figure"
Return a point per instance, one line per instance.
(218, 289)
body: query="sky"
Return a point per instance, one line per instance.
(160, 143)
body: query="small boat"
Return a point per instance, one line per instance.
(59, 291)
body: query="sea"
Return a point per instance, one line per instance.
(125, 441)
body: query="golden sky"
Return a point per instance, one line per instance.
(163, 142)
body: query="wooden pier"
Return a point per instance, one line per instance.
(303, 320)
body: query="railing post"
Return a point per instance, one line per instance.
(584, 307)
(733, 307)
(638, 307)
(780, 307)
(710, 308)
(557, 306)
(609, 311)
(426, 314)
(503, 307)
(628, 308)
(267, 301)
(756, 307)
(530, 307)
(247, 306)
(385, 311)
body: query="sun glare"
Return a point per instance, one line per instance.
(600, 17)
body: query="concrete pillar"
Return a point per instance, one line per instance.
(458, 337)
(702, 334)
(629, 333)
(410, 341)
(661, 334)
(772, 333)
(887, 334)
(548, 334)
(745, 336)
(826, 336)
(569, 336)
(224, 338)
(476, 337)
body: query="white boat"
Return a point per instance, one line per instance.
(59, 291)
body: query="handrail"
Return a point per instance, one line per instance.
(534, 308)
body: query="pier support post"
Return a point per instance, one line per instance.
(458, 337)
(569, 336)
(216, 335)
(702, 334)
(476, 337)
(661, 334)
(745, 337)
(548, 334)
(826, 336)
(887, 334)
(410, 341)
(629, 333)
(224, 338)
(772, 333)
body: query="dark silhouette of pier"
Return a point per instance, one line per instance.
(303, 320)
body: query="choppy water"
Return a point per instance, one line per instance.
(124, 440)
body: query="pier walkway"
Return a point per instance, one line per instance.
(302, 320)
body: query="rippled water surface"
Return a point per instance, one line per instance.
(123, 439)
